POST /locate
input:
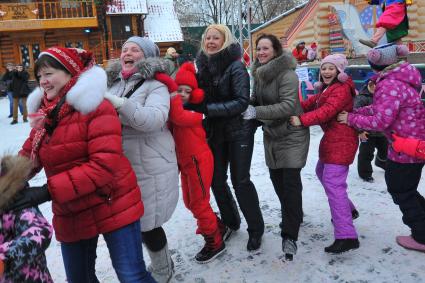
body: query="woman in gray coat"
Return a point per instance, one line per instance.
(143, 105)
(274, 99)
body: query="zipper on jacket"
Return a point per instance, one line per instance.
(199, 176)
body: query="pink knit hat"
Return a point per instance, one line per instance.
(382, 56)
(340, 62)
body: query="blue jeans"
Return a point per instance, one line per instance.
(10, 96)
(125, 250)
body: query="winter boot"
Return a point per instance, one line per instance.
(162, 266)
(225, 231)
(289, 248)
(254, 242)
(214, 246)
(409, 243)
(343, 245)
(369, 43)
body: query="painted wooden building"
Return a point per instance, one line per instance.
(337, 25)
(28, 27)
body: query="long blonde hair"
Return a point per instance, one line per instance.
(224, 30)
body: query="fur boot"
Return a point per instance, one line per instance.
(162, 266)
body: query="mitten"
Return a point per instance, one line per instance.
(249, 113)
(30, 197)
(405, 145)
(167, 80)
(115, 100)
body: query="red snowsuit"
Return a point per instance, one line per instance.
(195, 162)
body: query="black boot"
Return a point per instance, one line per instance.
(343, 245)
(14, 122)
(289, 248)
(254, 242)
(214, 246)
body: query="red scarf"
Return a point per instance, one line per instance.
(42, 116)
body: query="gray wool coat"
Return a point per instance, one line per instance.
(147, 142)
(275, 97)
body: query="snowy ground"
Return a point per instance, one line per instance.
(379, 258)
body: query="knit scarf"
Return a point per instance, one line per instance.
(43, 117)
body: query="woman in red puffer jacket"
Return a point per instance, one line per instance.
(76, 138)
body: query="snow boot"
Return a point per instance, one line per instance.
(225, 231)
(369, 43)
(409, 243)
(289, 248)
(214, 246)
(254, 242)
(343, 245)
(162, 266)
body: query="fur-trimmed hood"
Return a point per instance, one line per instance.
(14, 172)
(85, 96)
(146, 68)
(274, 67)
(217, 63)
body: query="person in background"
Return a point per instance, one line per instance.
(20, 91)
(76, 139)
(225, 81)
(397, 109)
(274, 99)
(369, 139)
(24, 233)
(312, 52)
(300, 52)
(195, 161)
(143, 105)
(337, 148)
(7, 79)
(171, 58)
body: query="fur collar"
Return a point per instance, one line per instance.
(146, 68)
(217, 63)
(85, 96)
(274, 67)
(14, 172)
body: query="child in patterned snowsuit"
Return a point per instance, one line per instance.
(397, 109)
(24, 234)
(195, 161)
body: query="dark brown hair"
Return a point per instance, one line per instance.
(274, 40)
(47, 61)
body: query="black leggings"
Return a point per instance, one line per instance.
(155, 239)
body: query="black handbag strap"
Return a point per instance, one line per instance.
(134, 88)
(53, 116)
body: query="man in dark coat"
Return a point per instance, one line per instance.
(20, 90)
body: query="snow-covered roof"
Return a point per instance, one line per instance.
(118, 7)
(161, 23)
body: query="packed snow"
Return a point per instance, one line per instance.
(379, 258)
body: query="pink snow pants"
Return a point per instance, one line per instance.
(334, 179)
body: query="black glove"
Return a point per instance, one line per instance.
(30, 197)
(200, 108)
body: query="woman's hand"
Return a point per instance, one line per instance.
(249, 113)
(115, 100)
(295, 121)
(30, 197)
(342, 117)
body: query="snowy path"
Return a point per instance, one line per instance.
(379, 258)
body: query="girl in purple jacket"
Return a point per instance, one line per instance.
(397, 108)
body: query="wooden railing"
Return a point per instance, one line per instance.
(45, 10)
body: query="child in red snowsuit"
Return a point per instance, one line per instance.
(195, 161)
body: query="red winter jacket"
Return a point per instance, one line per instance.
(298, 54)
(188, 133)
(92, 184)
(339, 143)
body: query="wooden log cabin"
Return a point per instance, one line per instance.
(28, 27)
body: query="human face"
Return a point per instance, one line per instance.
(213, 41)
(185, 91)
(130, 54)
(328, 72)
(265, 51)
(19, 68)
(52, 80)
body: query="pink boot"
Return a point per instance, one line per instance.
(409, 243)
